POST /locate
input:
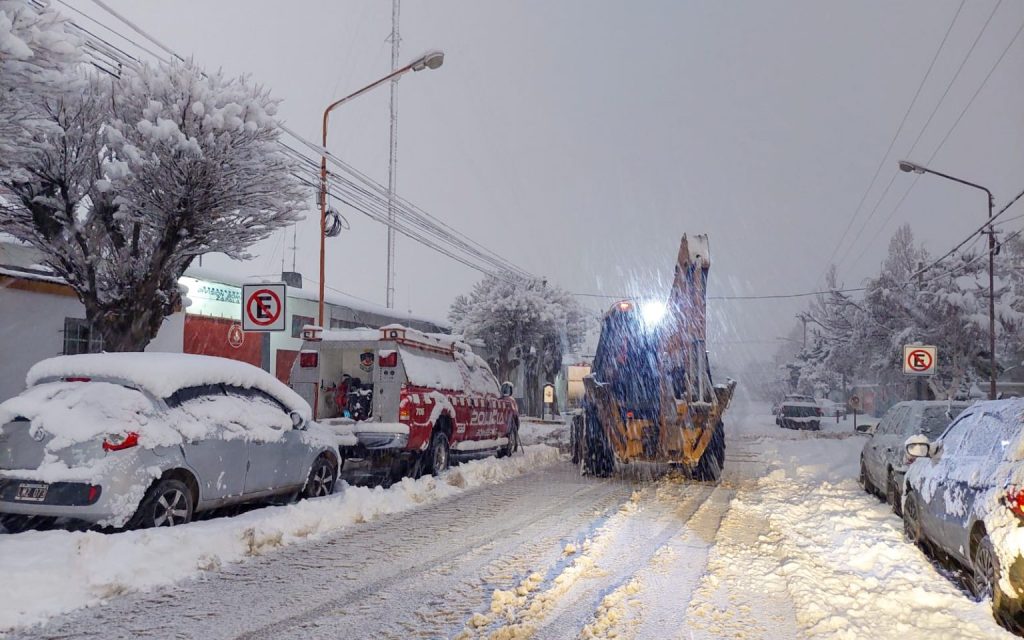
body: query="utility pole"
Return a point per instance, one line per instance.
(392, 157)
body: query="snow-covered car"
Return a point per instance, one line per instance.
(799, 414)
(883, 458)
(964, 501)
(151, 439)
(413, 400)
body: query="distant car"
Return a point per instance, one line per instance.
(151, 439)
(799, 414)
(965, 502)
(866, 426)
(831, 409)
(883, 459)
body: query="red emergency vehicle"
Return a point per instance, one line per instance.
(413, 400)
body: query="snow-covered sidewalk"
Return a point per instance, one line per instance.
(43, 574)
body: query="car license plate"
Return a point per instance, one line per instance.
(31, 492)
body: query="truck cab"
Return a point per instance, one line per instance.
(414, 401)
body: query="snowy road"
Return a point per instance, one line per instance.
(786, 546)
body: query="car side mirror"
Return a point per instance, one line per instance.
(507, 389)
(917, 446)
(298, 422)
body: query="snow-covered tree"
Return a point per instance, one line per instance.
(144, 173)
(521, 323)
(37, 59)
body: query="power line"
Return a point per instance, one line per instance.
(356, 189)
(938, 105)
(899, 130)
(949, 132)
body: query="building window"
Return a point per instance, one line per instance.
(346, 324)
(80, 338)
(298, 322)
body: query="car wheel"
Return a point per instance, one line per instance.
(168, 503)
(439, 457)
(912, 519)
(14, 523)
(893, 495)
(864, 480)
(322, 477)
(984, 570)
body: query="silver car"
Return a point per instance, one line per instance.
(145, 440)
(883, 461)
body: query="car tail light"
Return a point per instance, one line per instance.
(119, 441)
(94, 494)
(388, 360)
(1014, 501)
(309, 359)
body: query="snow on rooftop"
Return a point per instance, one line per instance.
(161, 374)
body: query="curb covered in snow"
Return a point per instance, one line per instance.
(54, 572)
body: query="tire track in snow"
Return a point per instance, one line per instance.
(655, 599)
(558, 602)
(418, 574)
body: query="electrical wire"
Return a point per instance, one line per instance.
(938, 105)
(354, 188)
(899, 130)
(949, 132)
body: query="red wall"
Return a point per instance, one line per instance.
(283, 366)
(209, 336)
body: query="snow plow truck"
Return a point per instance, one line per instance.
(650, 397)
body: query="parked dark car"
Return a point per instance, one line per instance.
(883, 458)
(964, 502)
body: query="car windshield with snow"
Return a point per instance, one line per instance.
(413, 400)
(965, 501)
(141, 440)
(883, 459)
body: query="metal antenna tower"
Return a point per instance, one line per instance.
(393, 156)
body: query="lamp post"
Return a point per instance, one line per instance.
(429, 60)
(916, 168)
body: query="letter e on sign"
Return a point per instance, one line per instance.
(263, 307)
(919, 360)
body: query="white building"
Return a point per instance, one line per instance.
(41, 317)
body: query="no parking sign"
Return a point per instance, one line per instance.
(919, 360)
(263, 307)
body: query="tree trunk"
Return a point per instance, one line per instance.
(127, 325)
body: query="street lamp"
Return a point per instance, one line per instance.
(429, 60)
(911, 167)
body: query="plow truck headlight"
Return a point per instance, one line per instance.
(653, 312)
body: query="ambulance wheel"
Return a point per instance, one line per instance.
(439, 453)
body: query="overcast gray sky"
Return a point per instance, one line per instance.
(581, 139)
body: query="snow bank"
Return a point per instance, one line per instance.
(53, 572)
(161, 374)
